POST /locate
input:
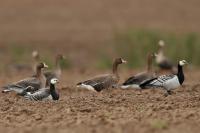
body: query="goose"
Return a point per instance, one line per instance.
(49, 93)
(36, 60)
(57, 72)
(136, 80)
(103, 81)
(161, 60)
(34, 82)
(168, 82)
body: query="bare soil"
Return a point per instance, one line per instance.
(80, 27)
(112, 110)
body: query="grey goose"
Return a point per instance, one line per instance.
(56, 73)
(103, 81)
(49, 93)
(28, 84)
(168, 82)
(136, 80)
(161, 60)
(36, 60)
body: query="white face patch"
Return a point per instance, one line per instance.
(54, 81)
(182, 63)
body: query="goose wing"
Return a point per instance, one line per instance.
(32, 81)
(101, 82)
(38, 95)
(138, 79)
(166, 64)
(22, 85)
(157, 82)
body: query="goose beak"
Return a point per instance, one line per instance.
(124, 61)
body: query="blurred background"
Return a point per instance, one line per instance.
(90, 33)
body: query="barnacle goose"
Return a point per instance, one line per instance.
(168, 82)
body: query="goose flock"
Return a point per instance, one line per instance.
(42, 84)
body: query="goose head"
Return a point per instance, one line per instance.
(161, 43)
(183, 63)
(120, 61)
(60, 57)
(116, 63)
(42, 65)
(35, 55)
(54, 81)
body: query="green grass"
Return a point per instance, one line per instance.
(159, 124)
(135, 44)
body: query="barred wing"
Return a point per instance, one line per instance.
(38, 95)
(157, 82)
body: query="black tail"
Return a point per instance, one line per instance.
(145, 83)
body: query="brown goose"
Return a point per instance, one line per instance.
(136, 80)
(57, 72)
(161, 60)
(36, 60)
(34, 83)
(103, 81)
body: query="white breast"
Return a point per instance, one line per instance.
(172, 83)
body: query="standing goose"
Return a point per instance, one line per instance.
(57, 72)
(136, 80)
(49, 93)
(162, 61)
(36, 60)
(104, 81)
(34, 83)
(168, 82)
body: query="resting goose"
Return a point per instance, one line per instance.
(104, 81)
(57, 72)
(34, 83)
(36, 60)
(136, 80)
(161, 60)
(44, 93)
(168, 82)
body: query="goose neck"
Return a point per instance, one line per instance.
(115, 69)
(180, 74)
(53, 92)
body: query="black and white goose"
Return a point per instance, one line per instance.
(161, 60)
(57, 72)
(49, 93)
(136, 80)
(103, 81)
(28, 84)
(168, 82)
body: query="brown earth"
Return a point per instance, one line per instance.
(112, 110)
(80, 27)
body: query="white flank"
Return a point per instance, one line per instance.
(88, 87)
(133, 86)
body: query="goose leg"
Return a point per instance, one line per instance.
(115, 86)
(168, 92)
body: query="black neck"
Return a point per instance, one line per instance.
(53, 92)
(180, 74)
